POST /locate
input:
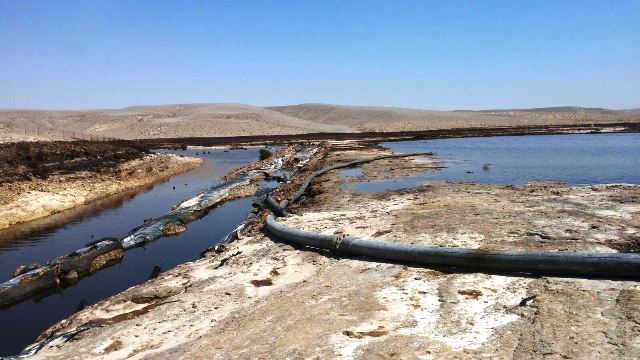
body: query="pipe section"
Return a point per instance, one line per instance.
(601, 265)
(298, 194)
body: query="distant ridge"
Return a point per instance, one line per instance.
(204, 120)
(547, 109)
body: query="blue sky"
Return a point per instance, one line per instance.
(421, 54)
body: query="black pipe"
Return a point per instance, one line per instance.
(293, 198)
(275, 208)
(607, 265)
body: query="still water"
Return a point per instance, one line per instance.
(581, 159)
(42, 241)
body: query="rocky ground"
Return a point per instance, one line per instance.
(40, 179)
(263, 298)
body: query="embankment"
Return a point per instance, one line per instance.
(40, 179)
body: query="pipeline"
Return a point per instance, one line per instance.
(601, 265)
(185, 212)
(70, 268)
(307, 181)
(67, 269)
(301, 160)
(63, 271)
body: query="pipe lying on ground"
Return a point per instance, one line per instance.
(602, 265)
(298, 194)
(300, 160)
(198, 206)
(273, 205)
(68, 269)
(611, 265)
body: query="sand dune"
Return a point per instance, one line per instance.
(192, 120)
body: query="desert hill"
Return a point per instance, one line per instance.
(195, 120)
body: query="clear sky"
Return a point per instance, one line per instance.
(422, 54)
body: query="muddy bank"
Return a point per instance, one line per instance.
(262, 298)
(38, 189)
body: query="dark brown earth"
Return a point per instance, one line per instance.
(25, 160)
(374, 137)
(41, 179)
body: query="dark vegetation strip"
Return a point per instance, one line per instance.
(390, 136)
(25, 160)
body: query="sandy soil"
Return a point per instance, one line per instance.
(162, 121)
(262, 298)
(36, 197)
(375, 119)
(225, 120)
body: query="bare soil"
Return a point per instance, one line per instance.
(263, 298)
(26, 160)
(390, 119)
(43, 178)
(233, 120)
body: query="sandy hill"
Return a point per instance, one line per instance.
(370, 118)
(163, 121)
(186, 120)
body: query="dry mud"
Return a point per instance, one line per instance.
(263, 298)
(35, 197)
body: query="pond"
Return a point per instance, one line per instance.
(579, 159)
(41, 241)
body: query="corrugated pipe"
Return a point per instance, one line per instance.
(600, 265)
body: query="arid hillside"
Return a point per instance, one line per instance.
(369, 118)
(158, 122)
(202, 120)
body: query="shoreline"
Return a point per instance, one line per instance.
(38, 198)
(265, 297)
